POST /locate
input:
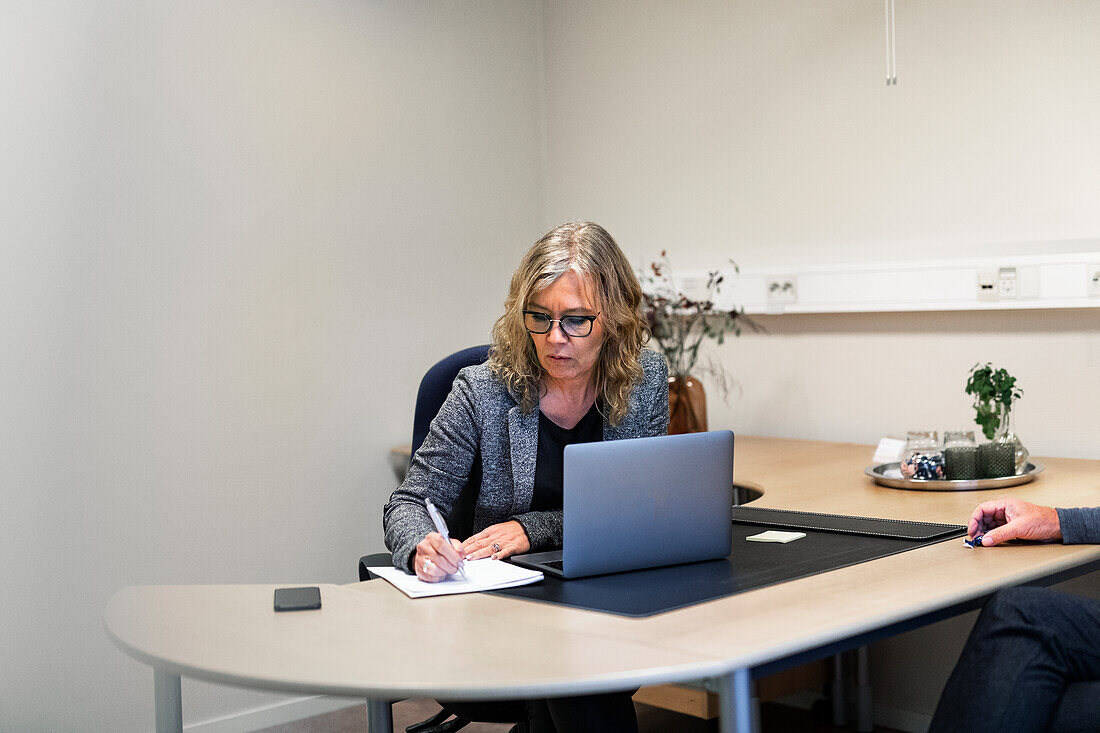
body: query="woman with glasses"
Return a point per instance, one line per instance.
(567, 365)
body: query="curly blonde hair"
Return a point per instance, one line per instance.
(587, 249)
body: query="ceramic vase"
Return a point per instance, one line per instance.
(687, 406)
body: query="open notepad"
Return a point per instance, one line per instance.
(485, 574)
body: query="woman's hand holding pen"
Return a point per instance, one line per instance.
(436, 558)
(497, 541)
(447, 552)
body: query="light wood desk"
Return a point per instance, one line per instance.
(371, 641)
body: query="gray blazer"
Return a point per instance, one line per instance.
(481, 416)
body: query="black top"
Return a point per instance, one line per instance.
(551, 455)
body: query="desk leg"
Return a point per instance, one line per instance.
(837, 691)
(169, 702)
(379, 716)
(735, 702)
(865, 703)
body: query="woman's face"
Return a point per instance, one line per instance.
(567, 358)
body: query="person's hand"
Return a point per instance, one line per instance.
(497, 541)
(435, 559)
(1004, 519)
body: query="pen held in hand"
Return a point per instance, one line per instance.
(441, 528)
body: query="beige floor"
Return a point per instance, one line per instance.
(774, 719)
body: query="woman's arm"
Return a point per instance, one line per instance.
(439, 470)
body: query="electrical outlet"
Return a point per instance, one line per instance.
(782, 289)
(988, 283)
(1093, 272)
(1006, 282)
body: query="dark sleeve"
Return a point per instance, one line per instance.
(1080, 526)
(439, 470)
(544, 529)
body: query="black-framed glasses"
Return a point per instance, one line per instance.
(577, 326)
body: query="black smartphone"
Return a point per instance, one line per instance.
(297, 599)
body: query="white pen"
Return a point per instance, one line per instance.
(441, 527)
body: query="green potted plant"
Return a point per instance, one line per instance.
(994, 390)
(680, 325)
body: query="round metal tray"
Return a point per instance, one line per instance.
(878, 473)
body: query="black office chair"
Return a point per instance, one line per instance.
(433, 391)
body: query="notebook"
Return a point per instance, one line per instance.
(484, 574)
(642, 503)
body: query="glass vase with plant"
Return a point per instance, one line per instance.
(680, 325)
(994, 391)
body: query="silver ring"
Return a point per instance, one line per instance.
(496, 547)
(427, 564)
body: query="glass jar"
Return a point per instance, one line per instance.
(960, 455)
(923, 457)
(1005, 455)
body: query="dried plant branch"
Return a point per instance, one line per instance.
(680, 325)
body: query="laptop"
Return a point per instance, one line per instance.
(642, 503)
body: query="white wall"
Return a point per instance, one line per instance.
(765, 132)
(234, 236)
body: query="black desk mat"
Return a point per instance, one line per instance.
(751, 565)
(903, 529)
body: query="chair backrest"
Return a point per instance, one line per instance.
(434, 388)
(436, 385)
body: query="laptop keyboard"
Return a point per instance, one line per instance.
(556, 564)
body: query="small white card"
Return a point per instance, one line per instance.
(774, 535)
(889, 450)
